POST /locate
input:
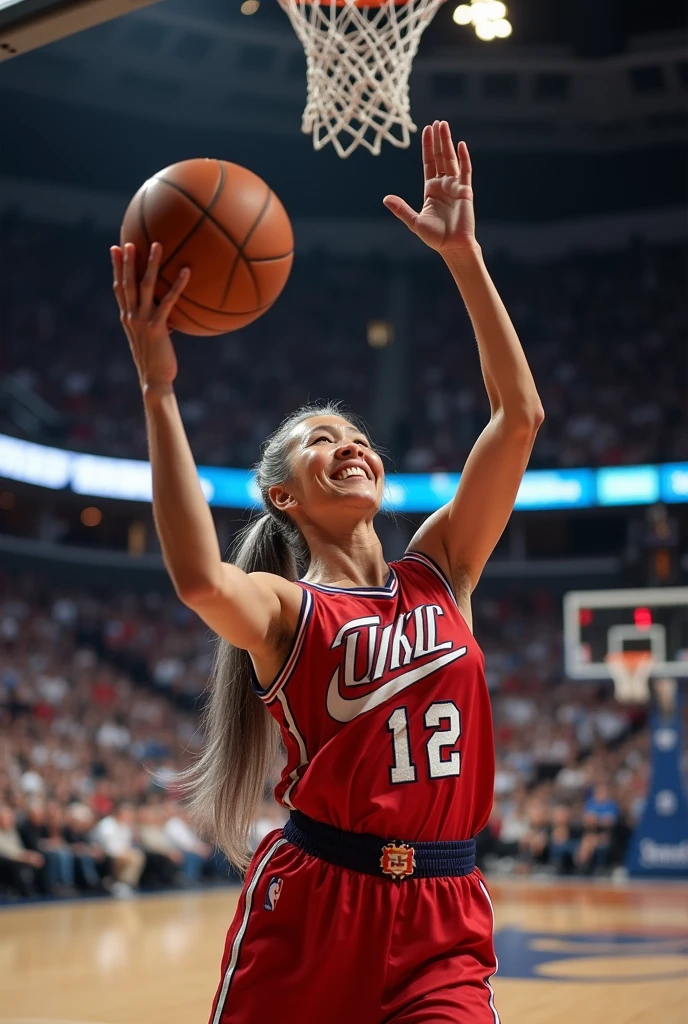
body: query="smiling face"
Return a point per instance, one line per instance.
(333, 464)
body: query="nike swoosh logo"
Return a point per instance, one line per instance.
(344, 710)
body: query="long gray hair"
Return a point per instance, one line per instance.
(227, 783)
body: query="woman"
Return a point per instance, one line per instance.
(367, 906)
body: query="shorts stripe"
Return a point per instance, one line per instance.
(490, 976)
(239, 937)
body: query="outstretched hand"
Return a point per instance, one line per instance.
(446, 221)
(144, 320)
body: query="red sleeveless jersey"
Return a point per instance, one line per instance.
(384, 710)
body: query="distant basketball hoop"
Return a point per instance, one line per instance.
(630, 671)
(359, 55)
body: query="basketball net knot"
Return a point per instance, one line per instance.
(358, 62)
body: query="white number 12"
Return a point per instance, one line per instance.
(403, 769)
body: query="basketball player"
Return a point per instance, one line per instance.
(367, 906)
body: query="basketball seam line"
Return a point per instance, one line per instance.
(206, 212)
(211, 309)
(240, 254)
(220, 228)
(143, 226)
(272, 259)
(193, 320)
(142, 219)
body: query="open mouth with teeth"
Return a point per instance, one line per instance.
(350, 471)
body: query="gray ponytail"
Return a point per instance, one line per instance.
(242, 742)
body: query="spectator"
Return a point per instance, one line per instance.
(18, 866)
(163, 858)
(601, 808)
(182, 836)
(87, 854)
(55, 846)
(600, 816)
(563, 844)
(40, 833)
(115, 835)
(534, 846)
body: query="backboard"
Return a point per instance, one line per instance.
(602, 622)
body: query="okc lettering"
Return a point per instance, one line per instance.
(385, 650)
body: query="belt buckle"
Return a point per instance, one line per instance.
(398, 860)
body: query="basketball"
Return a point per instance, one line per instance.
(225, 224)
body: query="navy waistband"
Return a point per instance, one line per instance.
(373, 855)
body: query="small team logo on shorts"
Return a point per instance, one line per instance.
(273, 893)
(398, 860)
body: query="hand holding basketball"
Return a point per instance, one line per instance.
(144, 321)
(446, 221)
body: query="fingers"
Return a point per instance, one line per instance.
(466, 172)
(117, 282)
(131, 291)
(167, 304)
(429, 168)
(402, 210)
(449, 154)
(149, 280)
(437, 149)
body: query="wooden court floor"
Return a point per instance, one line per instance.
(570, 954)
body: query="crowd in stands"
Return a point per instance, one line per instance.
(94, 729)
(604, 332)
(99, 711)
(605, 337)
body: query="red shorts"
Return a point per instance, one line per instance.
(320, 944)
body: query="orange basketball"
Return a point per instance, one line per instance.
(228, 227)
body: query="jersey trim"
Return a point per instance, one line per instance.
(268, 693)
(388, 590)
(300, 743)
(239, 937)
(429, 563)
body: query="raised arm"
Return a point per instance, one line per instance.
(247, 610)
(462, 535)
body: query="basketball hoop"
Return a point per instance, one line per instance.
(630, 671)
(358, 61)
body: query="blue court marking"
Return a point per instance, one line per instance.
(522, 953)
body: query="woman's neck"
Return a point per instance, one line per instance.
(353, 560)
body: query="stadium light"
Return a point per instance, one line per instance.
(488, 18)
(462, 14)
(485, 30)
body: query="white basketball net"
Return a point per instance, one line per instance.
(358, 62)
(630, 671)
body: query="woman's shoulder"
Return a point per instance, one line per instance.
(288, 591)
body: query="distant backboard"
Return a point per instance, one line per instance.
(601, 622)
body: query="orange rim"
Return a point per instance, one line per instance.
(629, 659)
